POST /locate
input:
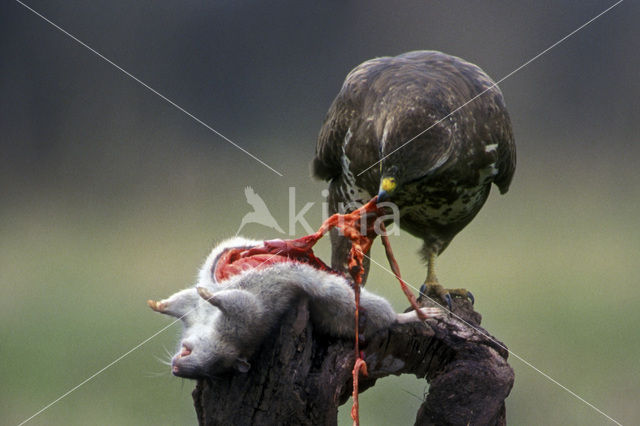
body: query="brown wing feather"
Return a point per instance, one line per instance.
(387, 101)
(417, 114)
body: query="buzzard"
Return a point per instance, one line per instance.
(426, 131)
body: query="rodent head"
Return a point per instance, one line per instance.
(220, 330)
(204, 352)
(221, 323)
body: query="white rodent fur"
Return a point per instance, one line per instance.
(225, 322)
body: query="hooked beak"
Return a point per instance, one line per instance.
(387, 188)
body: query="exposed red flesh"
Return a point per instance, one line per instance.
(235, 261)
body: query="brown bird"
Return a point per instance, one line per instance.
(426, 131)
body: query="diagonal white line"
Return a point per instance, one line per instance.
(495, 84)
(115, 361)
(527, 363)
(146, 86)
(101, 370)
(280, 174)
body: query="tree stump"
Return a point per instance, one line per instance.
(298, 377)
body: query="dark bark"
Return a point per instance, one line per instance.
(300, 378)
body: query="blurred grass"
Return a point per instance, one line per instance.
(553, 267)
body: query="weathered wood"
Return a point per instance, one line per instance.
(301, 378)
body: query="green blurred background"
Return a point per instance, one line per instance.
(110, 196)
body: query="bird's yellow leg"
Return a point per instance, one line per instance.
(433, 290)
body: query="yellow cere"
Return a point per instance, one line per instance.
(388, 184)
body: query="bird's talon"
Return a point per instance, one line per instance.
(470, 296)
(447, 298)
(423, 290)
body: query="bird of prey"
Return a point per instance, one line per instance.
(424, 130)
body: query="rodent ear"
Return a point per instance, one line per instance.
(233, 303)
(242, 365)
(206, 295)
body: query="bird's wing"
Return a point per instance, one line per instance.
(506, 163)
(415, 109)
(326, 163)
(454, 113)
(347, 119)
(399, 102)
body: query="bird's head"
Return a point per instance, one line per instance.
(389, 183)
